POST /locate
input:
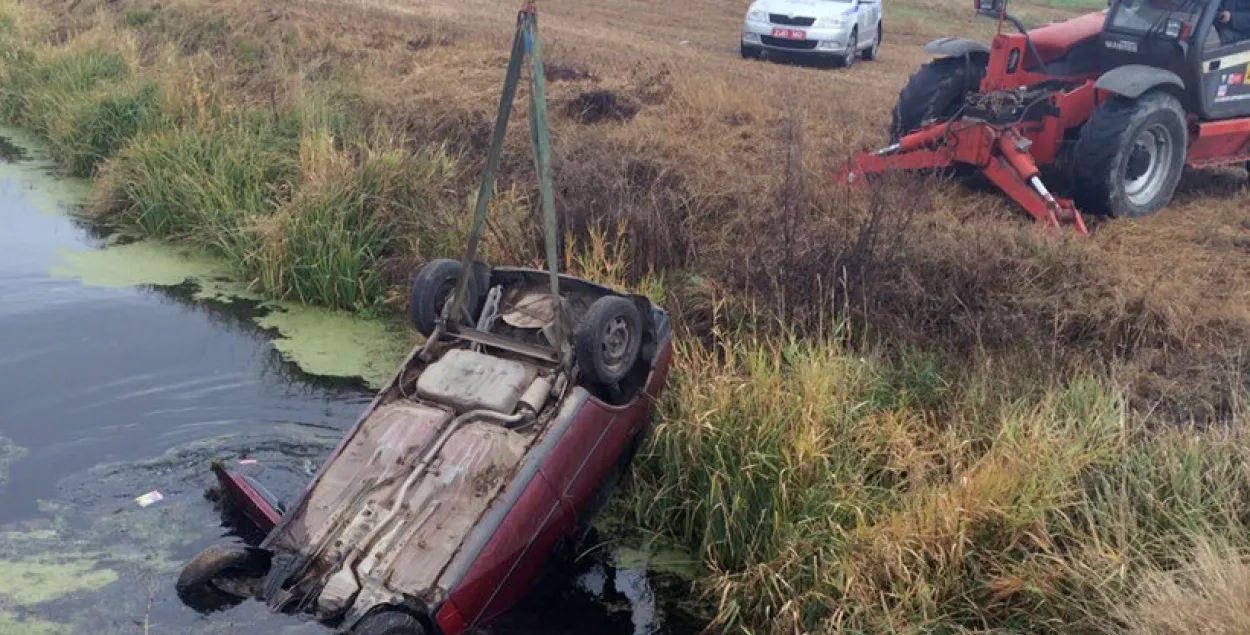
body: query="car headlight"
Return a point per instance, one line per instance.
(835, 22)
(757, 15)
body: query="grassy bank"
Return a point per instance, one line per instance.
(1002, 434)
(832, 493)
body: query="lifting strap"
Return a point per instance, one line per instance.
(525, 44)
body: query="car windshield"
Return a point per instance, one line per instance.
(1139, 16)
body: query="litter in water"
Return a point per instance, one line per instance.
(149, 498)
(247, 461)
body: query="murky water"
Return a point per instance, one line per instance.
(115, 381)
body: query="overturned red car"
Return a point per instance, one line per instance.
(493, 445)
(488, 450)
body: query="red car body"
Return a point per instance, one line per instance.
(546, 504)
(548, 499)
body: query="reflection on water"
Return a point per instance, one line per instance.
(109, 392)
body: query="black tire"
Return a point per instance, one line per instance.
(195, 584)
(431, 288)
(750, 52)
(1130, 156)
(937, 91)
(872, 52)
(607, 339)
(389, 622)
(848, 60)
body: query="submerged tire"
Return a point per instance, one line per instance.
(1130, 156)
(389, 623)
(936, 91)
(196, 580)
(432, 287)
(607, 339)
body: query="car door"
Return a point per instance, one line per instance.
(867, 11)
(1225, 76)
(858, 10)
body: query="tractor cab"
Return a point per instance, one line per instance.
(1183, 38)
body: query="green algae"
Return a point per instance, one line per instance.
(41, 565)
(336, 343)
(9, 454)
(11, 625)
(139, 263)
(24, 161)
(30, 581)
(656, 558)
(633, 548)
(318, 341)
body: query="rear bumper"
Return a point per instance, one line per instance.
(818, 41)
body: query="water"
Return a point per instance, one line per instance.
(109, 391)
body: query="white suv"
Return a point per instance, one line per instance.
(843, 29)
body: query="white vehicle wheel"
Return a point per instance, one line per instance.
(852, 48)
(871, 53)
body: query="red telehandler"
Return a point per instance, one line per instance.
(1118, 102)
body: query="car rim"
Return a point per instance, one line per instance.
(615, 343)
(1149, 165)
(850, 59)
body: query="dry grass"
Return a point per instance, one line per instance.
(1208, 595)
(705, 178)
(835, 493)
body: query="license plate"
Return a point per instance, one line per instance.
(790, 34)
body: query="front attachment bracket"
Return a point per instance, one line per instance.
(1000, 153)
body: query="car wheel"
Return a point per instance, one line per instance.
(389, 622)
(751, 52)
(198, 582)
(852, 48)
(432, 287)
(608, 338)
(871, 53)
(1130, 156)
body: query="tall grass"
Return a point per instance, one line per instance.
(823, 503)
(296, 193)
(199, 185)
(332, 238)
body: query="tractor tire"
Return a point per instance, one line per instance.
(936, 91)
(1130, 156)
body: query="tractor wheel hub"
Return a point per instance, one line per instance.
(1148, 164)
(1138, 162)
